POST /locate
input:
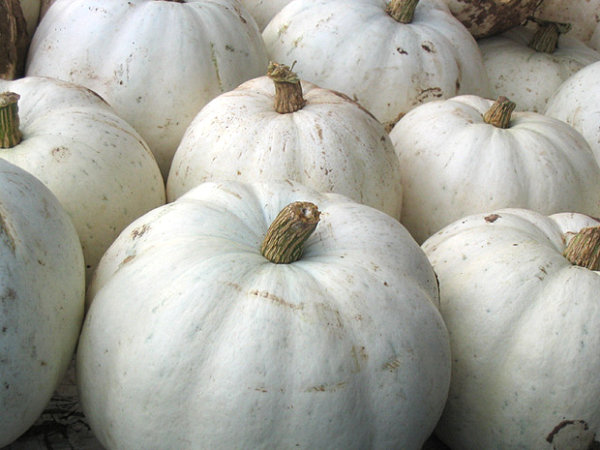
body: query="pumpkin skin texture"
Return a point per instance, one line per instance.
(218, 347)
(387, 66)
(453, 164)
(577, 102)
(489, 17)
(96, 164)
(521, 321)
(42, 282)
(155, 62)
(330, 144)
(530, 77)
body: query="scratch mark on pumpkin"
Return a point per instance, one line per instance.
(213, 57)
(328, 387)
(392, 364)
(358, 355)
(6, 234)
(277, 300)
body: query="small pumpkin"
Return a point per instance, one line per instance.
(155, 62)
(263, 322)
(468, 154)
(519, 294)
(278, 126)
(389, 57)
(577, 102)
(528, 65)
(42, 285)
(96, 164)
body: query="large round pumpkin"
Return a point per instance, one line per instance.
(156, 62)
(42, 285)
(95, 163)
(519, 294)
(195, 340)
(468, 154)
(278, 126)
(388, 57)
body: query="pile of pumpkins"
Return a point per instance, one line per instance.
(319, 224)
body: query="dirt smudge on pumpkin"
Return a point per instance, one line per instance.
(6, 234)
(427, 94)
(276, 299)
(139, 231)
(573, 428)
(491, 218)
(328, 387)
(360, 356)
(60, 153)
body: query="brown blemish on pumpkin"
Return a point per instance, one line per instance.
(9, 294)
(491, 218)
(60, 153)
(6, 234)
(128, 259)
(401, 51)
(392, 365)
(327, 387)
(428, 47)
(140, 231)
(359, 356)
(277, 300)
(564, 424)
(424, 94)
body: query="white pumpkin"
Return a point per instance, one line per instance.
(468, 154)
(387, 61)
(95, 163)
(528, 67)
(342, 348)
(276, 126)
(577, 102)
(522, 321)
(583, 15)
(156, 62)
(42, 285)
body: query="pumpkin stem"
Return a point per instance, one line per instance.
(288, 90)
(10, 135)
(402, 11)
(584, 248)
(284, 241)
(500, 113)
(546, 36)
